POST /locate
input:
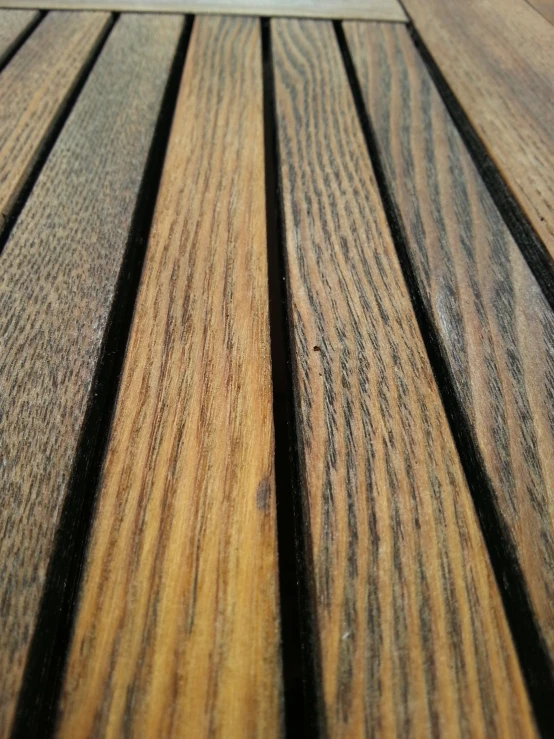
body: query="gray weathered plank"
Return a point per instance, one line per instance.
(58, 275)
(33, 90)
(13, 24)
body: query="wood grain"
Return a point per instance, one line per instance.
(177, 630)
(13, 25)
(545, 8)
(57, 279)
(413, 636)
(33, 90)
(496, 55)
(494, 325)
(386, 10)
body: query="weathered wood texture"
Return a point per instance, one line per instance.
(13, 24)
(496, 55)
(33, 89)
(495, 327)
(412, 631)
(386, 10)
(57, 279)
(177, 631)
(545, 8)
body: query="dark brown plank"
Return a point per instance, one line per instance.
(496, 55)
(413, 637)
(494, 325)
(57, 279)
(33, 90)
(13, 25)
(179, 606)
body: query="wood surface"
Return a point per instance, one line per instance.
(496, 55)
(177, 631)
(413, 637)
(13, 25)
(495, 326)
(386, 10)
(545, 8)
(33, 89)
(57, 280)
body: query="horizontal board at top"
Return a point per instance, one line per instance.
(385, 10)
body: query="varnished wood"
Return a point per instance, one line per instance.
(494, 324)
(58, 272)
(33, 89)
(13, 24)
(177, 630)
(496, 55)
(386, 10)
(413, 637)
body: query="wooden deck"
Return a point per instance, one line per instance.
(276, 368)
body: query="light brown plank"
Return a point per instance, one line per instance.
(545, 8)
(494, 324)
(34, 88)
(177, 630)
(496, 55)
(385, 10)
(413, 637)
(13, 24)
(57, 280)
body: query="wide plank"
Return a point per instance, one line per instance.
(58, 275)
(412, 634)
(177, 632)
(33, 90)
(496, 56)
(13, 25)
(492, 320)
(386, 10)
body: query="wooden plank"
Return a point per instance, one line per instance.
(59, 271)
(413, 637)
(496, 55)
(386, 10)
(545, 8)
(33, 90)
(495, 326)
(13, 25)
(177, 632)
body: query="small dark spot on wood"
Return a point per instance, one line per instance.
(262, 495)
(317, 348)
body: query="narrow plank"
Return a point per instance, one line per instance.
(13, 25)
(386, 10)
(496, 55)
(412, 632)
(177, 629)
(545, 8)
(33, 90)
(495, 327)
(59, 271)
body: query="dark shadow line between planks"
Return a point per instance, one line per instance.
(303, 699)
(39, 697)
(51, 136)
(530, 244)
(21, 39)
(529, 643)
